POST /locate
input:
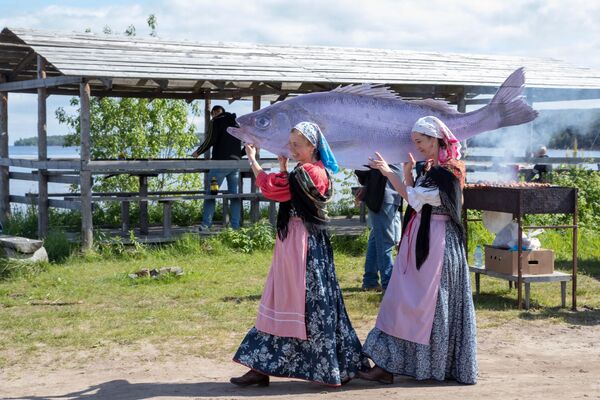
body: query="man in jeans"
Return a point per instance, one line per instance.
(224, 147)
(383, 204)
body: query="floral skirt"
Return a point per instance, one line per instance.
(332, 352)
(452, 350)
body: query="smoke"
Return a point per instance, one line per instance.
(555, 126)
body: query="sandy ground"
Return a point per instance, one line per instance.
(518, 360)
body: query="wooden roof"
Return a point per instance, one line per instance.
(123, 66)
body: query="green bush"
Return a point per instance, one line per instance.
(350, 245)
(187, 244)
(13, 269)
(58, 246)
(588, 184)
(259, 236)
(22, 222)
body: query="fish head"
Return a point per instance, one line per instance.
(270, 127)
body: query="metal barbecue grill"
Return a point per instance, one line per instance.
(521, 199)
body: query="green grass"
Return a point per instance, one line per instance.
(208, 310)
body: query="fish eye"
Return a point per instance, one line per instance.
(262, 122)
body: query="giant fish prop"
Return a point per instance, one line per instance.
(359, 120)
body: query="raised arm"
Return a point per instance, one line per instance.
(379, 163)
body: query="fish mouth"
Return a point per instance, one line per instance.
(247, 137)
(243, 135)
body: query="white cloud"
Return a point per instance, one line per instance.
(559, 29)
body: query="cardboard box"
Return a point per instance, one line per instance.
(535, 262)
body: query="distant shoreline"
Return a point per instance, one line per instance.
(52, 140)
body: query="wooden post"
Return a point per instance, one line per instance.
(206, 112)
(460, 101)
(87, 227)
(42, 130)
(575, 230)
(4, 177)
(225, 212)
(520, 255)
(254, 204)
(241, 190)
(273, 213)
(167, 218)
(206, 180)
(143, 205)
(125, 225)
(462, 108)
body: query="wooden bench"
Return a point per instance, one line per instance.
(527, 280)
(167, 203)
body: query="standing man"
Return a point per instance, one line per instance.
(542, 170)
(384, 205)
(224, 147)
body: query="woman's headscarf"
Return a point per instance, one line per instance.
(312, 132)
(434, 127)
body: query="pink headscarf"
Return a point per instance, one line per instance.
(434, 127)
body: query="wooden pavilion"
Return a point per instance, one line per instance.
(86, 64)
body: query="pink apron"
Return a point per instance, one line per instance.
(408, 306)
(282, 306)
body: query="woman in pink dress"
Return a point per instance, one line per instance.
(426, 322)
(302, 329)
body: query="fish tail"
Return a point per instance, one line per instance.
(506, 108)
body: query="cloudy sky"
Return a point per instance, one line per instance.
(567, 30)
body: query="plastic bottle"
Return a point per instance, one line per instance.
(478, 256)
(214, 186)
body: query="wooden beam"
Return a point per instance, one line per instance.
(281, 97)
(40, 83)
(31, 200)
(166, 165)
(27, 176)
(162, 83)
(4, 177)
(42, 131)
(108, 83)
(25, 62)
(68, 204)
(36, 164)
(87, 239)
(198, 87)
(152, 93)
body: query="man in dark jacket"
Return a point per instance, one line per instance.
(224, 147)
(383, 204)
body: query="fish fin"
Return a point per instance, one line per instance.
(507, 108)
(509, 101)
(368, 89)
(439, 105)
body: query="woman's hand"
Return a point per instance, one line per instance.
(380, 164)
(283, 163)
(250, 152)
(409, 165)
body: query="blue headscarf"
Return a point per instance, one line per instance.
(313, 133)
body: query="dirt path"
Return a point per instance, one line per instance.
(518, 360)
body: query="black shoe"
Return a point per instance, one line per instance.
(377, 374)
(251, 378)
